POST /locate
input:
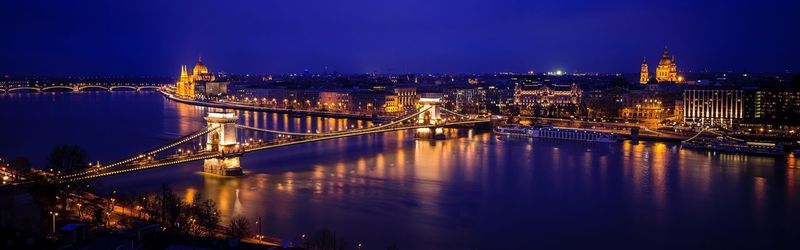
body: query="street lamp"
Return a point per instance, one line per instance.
(79, 210)
(258, 222)
(54, 222)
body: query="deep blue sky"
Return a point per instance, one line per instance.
(155, 37)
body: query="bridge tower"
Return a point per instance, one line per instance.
(432, 117)
(222, 140)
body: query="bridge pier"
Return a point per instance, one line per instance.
(433, 117)
(225, 166)
(222, 140)
(431, 133)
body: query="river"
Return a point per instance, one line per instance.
(471, 191)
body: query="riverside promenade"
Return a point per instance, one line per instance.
(228, 105)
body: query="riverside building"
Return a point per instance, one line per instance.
(713, 107)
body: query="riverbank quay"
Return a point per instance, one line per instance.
(171, 96)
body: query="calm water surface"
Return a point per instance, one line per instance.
(470, 191)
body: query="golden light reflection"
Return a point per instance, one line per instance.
(225, 191)
(187, 118)
(697, 164)
(190, 195)
(659, 163)
(792, 184)
(285, 119)
(759, 198)
(361, 165)
(400, 164)
(274, 119)
(331, 124)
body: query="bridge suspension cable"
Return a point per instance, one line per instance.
(405, 118)
(453, 112)
(201, 132)
(185, 139)
(353, 133)
(143, 167)
(277, 131)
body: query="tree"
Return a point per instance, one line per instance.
(169, 206)
(209, 216)
(21, 165)
(67, 158)
(202, 215)
(98, 217)
(239, 227)
(326, 239)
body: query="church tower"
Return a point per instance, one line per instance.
(180, 86)
(645, 75)
(184, 74)
(667, 70)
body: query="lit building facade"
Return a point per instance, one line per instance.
(392, 104)
(373, 102)
(652, 104)
(667, 70)
(605, 103)
(646, 105)
(187, 84)
(464, 100)
(335, 100)
(406, 98)
(773, 107)
(498, 99)
(547, 99)
(713, 107)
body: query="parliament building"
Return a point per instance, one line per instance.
(201, 83)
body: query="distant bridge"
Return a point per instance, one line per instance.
(224, 147)
(78, 87)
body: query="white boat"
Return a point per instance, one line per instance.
(512, 130)
(550, 132)
(733, 145)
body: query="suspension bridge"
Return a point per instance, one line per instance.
(224, 146)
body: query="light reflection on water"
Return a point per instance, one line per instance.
(472, 190)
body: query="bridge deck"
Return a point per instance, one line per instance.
(139, 163)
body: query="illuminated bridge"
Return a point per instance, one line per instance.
(223, 146)
(78, 87)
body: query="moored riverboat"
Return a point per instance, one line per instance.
(557, 133)
(732, 145)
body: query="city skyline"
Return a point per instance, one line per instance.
(151, 38)
(363, 124)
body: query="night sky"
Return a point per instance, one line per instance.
(354, 36)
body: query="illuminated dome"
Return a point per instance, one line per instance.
(665, 60)
(199, 68)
